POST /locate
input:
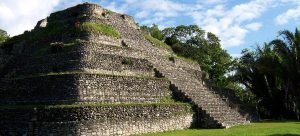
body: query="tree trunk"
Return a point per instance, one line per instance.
(297, 100)
(286, 91)
(268, 86)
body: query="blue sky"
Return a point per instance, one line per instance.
(238, 23)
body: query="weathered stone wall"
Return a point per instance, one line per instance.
(93, 46)
(76, 61)
(76, 88)
(186, 64)
(96, 120)
(195, 73)
(80, 10)
(102, 39)
(4, 59)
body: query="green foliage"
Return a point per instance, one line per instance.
(194, 44)
(271, 72)
(182, 33)
(284, 128)
(100, 29)
(166, 99)
(157, 42)
(185, 59)
(53, 31)
(127, 62)
(3, 36)
(153, 31)
(60, 31)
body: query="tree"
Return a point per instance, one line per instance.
(154, 31)
(3, 36)
(287, 46)
(257, 73)
(183, 33)
(272, 73)
(220, 61)
(205, 48)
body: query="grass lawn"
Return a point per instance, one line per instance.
(254, 129)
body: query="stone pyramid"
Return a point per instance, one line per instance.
(89, 71)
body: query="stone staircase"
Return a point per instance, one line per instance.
(212, 110)
(206, 100)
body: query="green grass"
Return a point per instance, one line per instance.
(166, 99)
(58, 30)
(254, 129)
(185, 59)
(157, 42)
(100, 29)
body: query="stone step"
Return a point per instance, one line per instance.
(235, 120)
(226, 116)
(190, 86)
(83, 87)
(74, 61)
(103, 119)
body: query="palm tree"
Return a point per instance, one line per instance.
(287, 46)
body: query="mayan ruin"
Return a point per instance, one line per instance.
(89, 71)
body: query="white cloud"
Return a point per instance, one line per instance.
(211, 2)
(150, 11)
(231, 25)
(291, 14)
(142, 14)
(63, 4)
(253, 26)
(19, 15)
(116, 8)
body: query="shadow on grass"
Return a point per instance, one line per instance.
(284, 135)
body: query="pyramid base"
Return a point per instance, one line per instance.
(97, 120)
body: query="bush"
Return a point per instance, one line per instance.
(127, 62)
(3, 36)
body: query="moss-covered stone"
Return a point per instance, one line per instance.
(157, 42)
(100, 29)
